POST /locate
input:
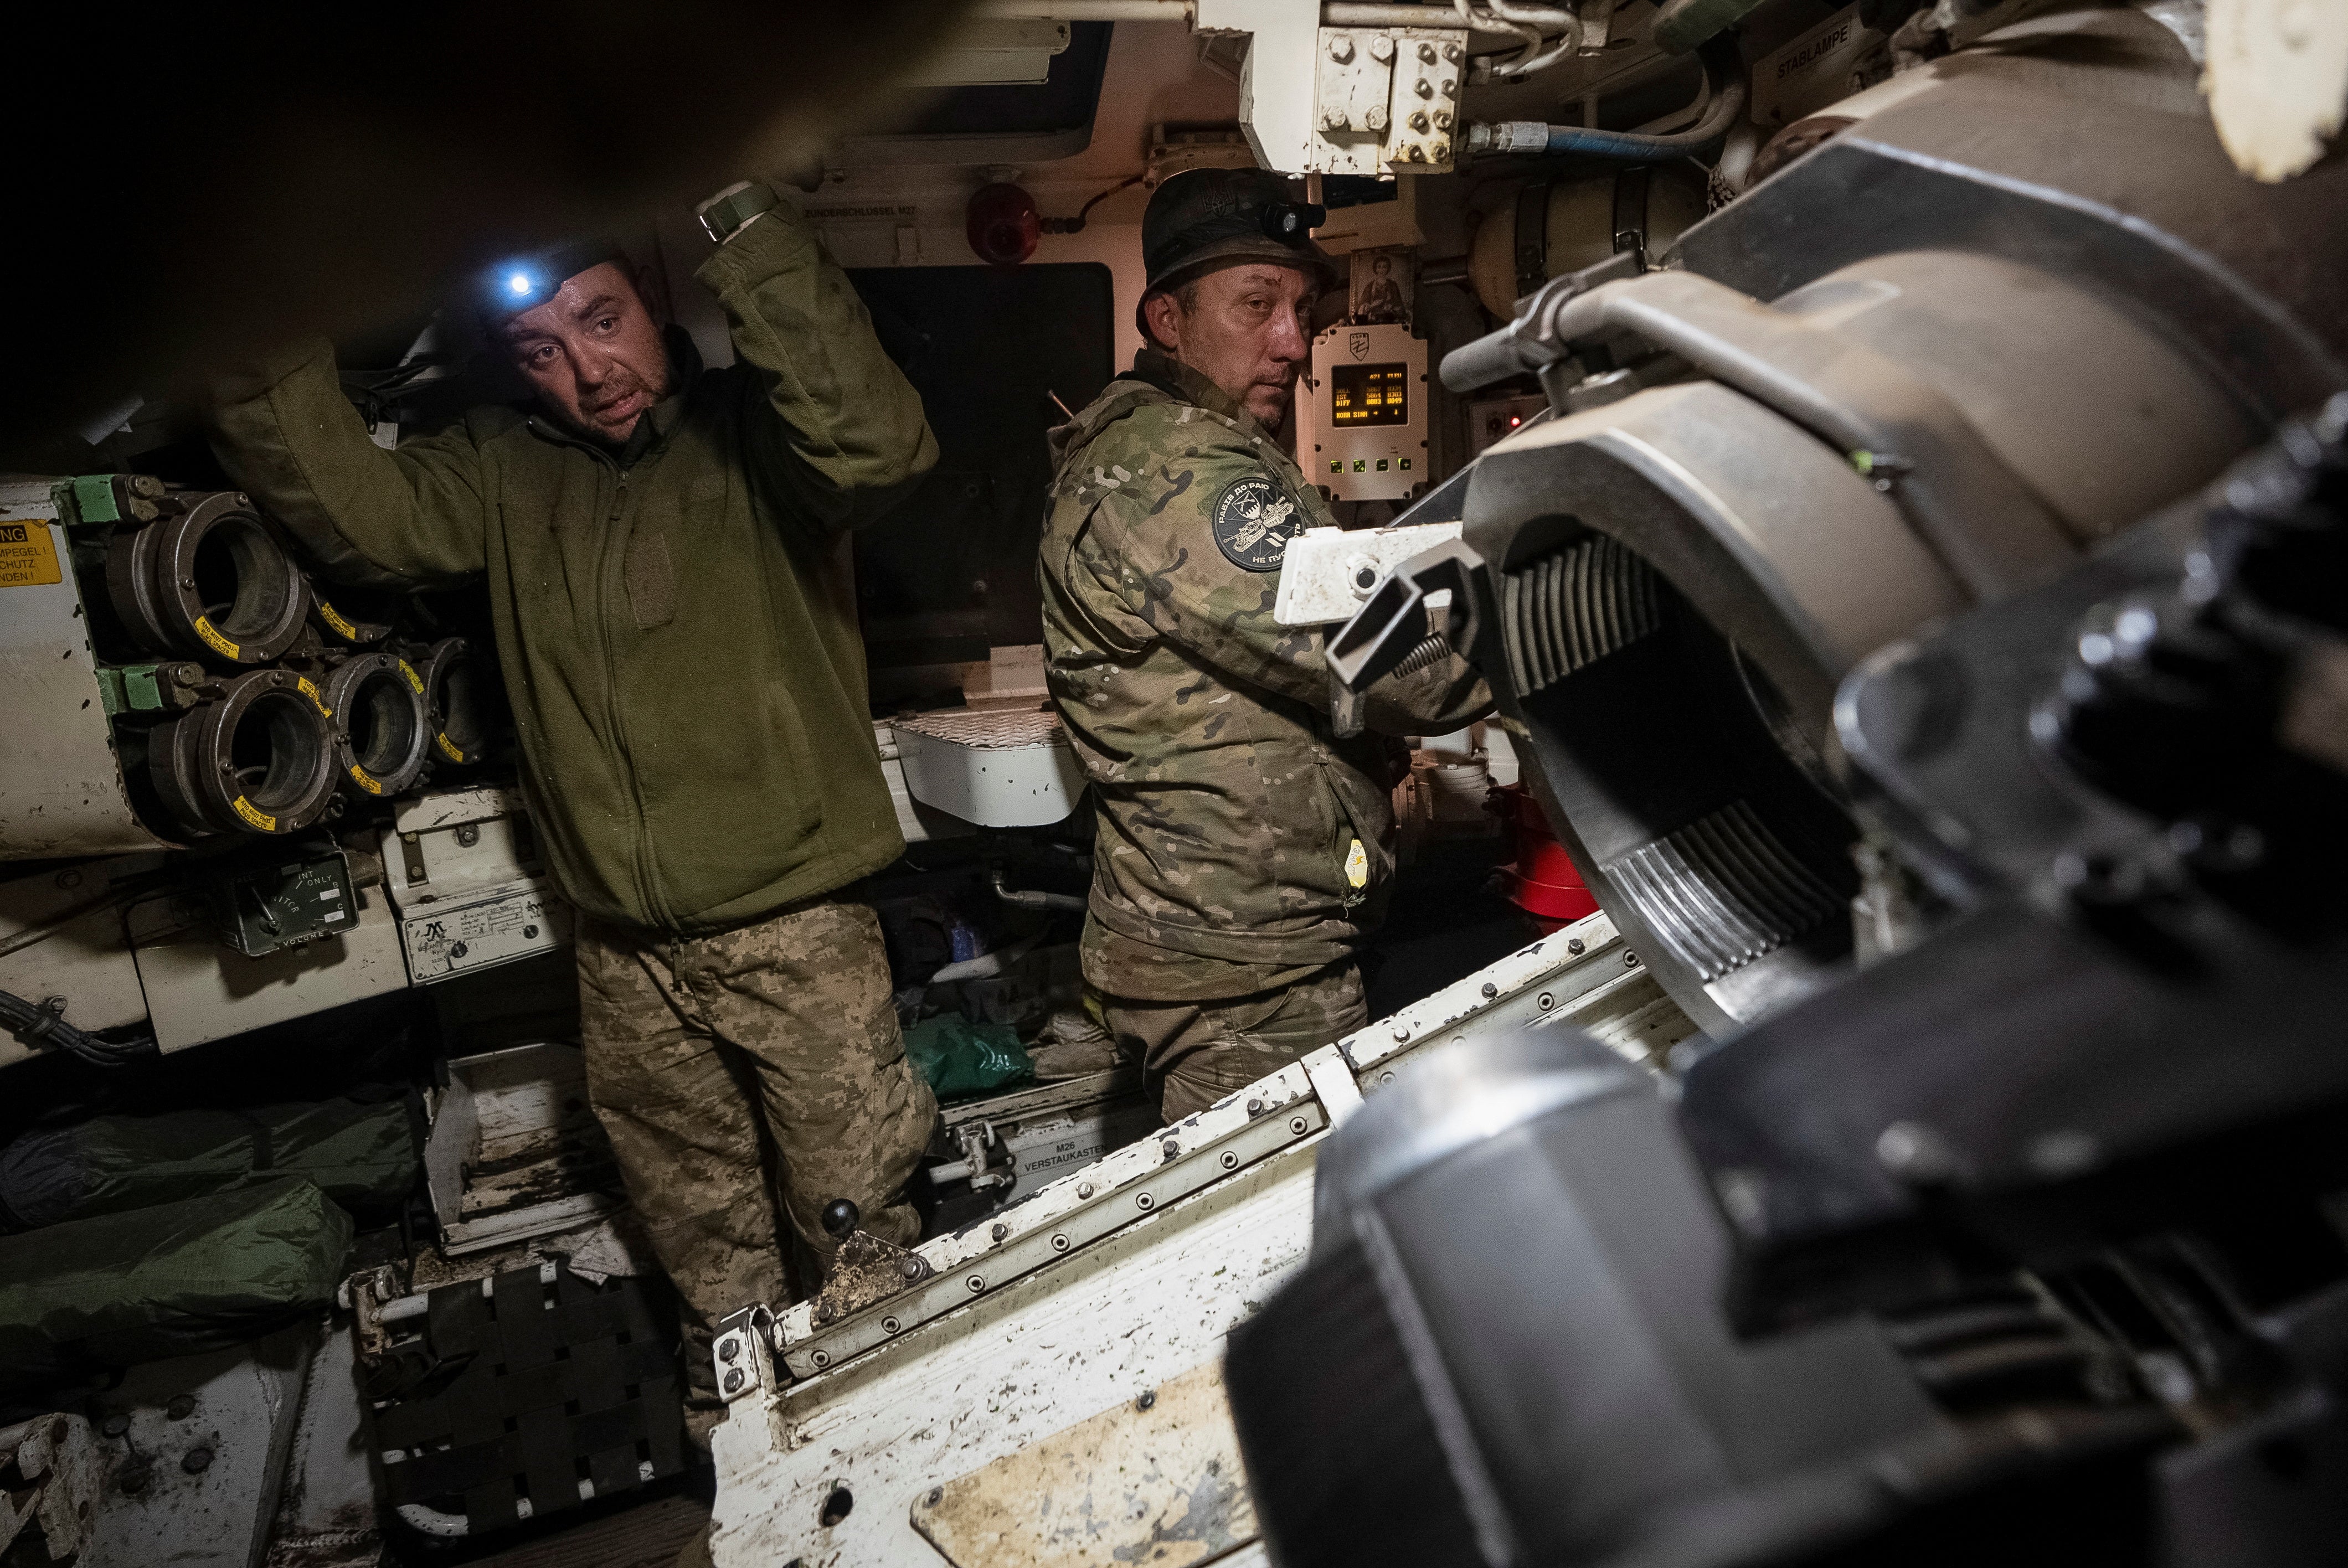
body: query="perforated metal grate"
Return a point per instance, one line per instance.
(1002, 730)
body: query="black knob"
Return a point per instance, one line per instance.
(839, 1217)
(2161, 705)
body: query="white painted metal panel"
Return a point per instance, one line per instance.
(1032, 1350)
(198, 990)
(87, 961)
(61, 789)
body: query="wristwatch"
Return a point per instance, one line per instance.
(723, 215)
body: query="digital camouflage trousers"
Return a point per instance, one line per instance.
(734, 1071)
(1192, 1053)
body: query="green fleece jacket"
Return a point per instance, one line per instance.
(676, 621)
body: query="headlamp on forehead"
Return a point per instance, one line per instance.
(1290, 221)
(522, 283)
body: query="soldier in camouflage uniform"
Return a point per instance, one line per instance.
(1245, 850)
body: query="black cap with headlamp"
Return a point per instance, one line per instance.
(1205, 218)
(520, 283)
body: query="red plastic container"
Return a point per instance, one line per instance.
(1542, 881)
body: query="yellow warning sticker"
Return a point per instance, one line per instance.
(210, 634)
(366, 780)
(28, 556)
(333, 618)
(413, 678)
(448, 748)
(1357, 865)
(312, 692)
(251, 812)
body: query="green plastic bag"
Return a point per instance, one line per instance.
(171, 1280)
(959, 1058)
(364, 1154)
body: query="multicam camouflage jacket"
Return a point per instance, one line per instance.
(1235, 827)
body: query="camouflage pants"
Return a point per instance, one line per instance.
(730, 1069)
(1194, 1053)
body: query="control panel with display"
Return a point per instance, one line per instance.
(1362, 418)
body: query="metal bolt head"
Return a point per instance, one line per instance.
(1576, 946)
(1438, 151)
(1423, 88)
(912, 1268)
(1144, 1202)
(823, 1311)
(1374, 117)
(1382, 48)
(1060, 1242)
(1170, 1147)
(1443, 120)
(1085, 1190)
(1630, 960)
(735, 1379)
(1491, 990)
(1450, 87)
(977, 1283)
(1255, 1108)
(730, 1349)
(1297, 1125)
(1335, 119)
(822, 1359)
(1401, 1032)
(1452, 53)
(1417, 119)
(1547, 1002)
(1231, 1159)
(1427, 54)
(197, 1459)
(1340, 48)
(889, 1325)
(1000, 1231)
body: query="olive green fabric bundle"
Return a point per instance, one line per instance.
(364, 1155)
(171, 1280)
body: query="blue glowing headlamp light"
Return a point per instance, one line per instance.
(525, 282)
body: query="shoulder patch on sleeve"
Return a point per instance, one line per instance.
(1253, 521)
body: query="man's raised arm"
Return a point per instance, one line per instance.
(285, 432)
(848, 425)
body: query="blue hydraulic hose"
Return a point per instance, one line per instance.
(1531, 136)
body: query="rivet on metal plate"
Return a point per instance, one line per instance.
(977, 1282)
(1144, 1202)
(1296, 1125)
(1060, 1242)
(1231, 1159)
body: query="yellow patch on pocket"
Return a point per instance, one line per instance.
(1357, 865)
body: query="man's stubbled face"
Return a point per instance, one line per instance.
(594, 353)
(1245, 328)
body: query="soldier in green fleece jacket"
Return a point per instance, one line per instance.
(664, 550)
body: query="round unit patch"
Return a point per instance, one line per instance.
(1253, 523)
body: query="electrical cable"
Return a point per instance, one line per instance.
(1075, 225)
(43, 1026)
(121, 893)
